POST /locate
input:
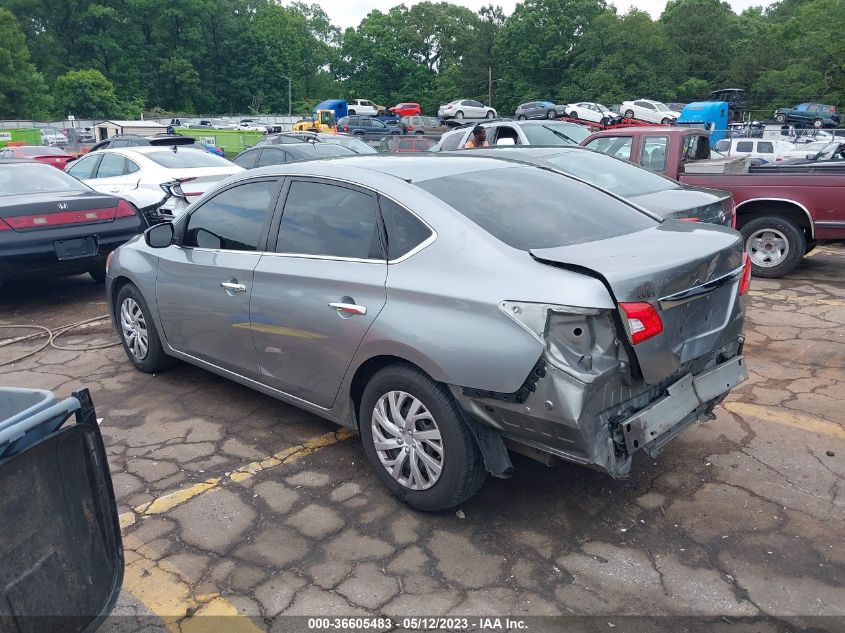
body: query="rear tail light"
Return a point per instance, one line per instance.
(124, 210)
(345, 128)
(4, 226)
(689, 220)
(643, 321)
(745, 280)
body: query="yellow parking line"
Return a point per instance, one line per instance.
(773, 295)
(793, 419)
(287, 456)
(157, 585)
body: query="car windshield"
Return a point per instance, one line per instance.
(555, 134)
(616, 176)
(31, 178)
(187, 159)
(42, 151)
(356, 145)
(602, 108)
(558, 211)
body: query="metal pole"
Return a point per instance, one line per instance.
(490, 86)
(289, 93)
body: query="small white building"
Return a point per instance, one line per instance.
(107, 129)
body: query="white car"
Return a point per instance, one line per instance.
(138, 174)
(251, 125)
(589, 111)
(767, 150)
(364, 106)
(802, 150)
(466, 109)
(52, 136)
(648, 110)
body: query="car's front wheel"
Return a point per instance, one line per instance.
(551, 114)
(490, 114)
(138, 332)
(521, 117)
(774, 244)
(818, 123)
(417, 441)
(665, 121)
(459, 115)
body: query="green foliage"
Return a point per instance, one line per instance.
(23, 92)
(115, 57)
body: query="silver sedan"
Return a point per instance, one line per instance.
(450, 308)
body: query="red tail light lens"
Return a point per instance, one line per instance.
(124, 210)
(4, 226)
(745, 280)
(689, 220)
(643, 321)
(345, 128)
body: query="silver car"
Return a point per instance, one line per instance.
(450, 308)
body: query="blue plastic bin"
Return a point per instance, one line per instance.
(27, 415)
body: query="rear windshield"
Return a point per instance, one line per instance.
(555, 134)
(42, 151)
(356, 145)
(187, 158)
(558, 212)
(617, 176)
(318, 150)
(29, 178)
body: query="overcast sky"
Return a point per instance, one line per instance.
(346, 13)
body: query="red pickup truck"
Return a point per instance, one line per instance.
(782, 213)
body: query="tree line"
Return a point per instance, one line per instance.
(119, 58)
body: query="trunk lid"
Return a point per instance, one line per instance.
(196, 181)
(688, 272)
(34, 211)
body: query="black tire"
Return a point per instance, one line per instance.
(551, 114)
(350, 112)
(573, 115)
(491, 114)
(665, 121)
(794, 236)
(459, 114)
(521, 117)
(811, 244)
(818, 124)
(98, 274)
(419, 132)
(463, 470)
(358, 133)
(780, 117)
(155, 359)
(629, 114)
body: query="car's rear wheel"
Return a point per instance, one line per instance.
(551, 114)
(780, 117)
(521, 117)
(818, 123)
(417, 441)
(420, 132)
(138, 332)
(774, 244)
(665, 121)
(629, 114)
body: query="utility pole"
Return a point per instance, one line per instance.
(289, 92)
(490, 86)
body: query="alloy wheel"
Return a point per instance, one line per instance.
(134, 328)
(407, 440)
(767, 247)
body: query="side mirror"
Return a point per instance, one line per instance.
(159, 236)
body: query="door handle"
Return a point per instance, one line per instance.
(348, 309)
(233, 286)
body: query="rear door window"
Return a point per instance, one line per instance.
(331, 221)
(559, 212)
(271, 156)
(111, 166)
(234, 219)
(744, 147)
(246, 160)
(765, 147)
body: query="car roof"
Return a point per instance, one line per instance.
(411, 168)
(149, 149)
(12, 161)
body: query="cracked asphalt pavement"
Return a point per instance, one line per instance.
(235, 504)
